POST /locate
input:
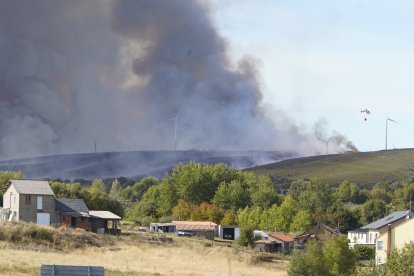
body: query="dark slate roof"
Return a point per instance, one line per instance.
(359, 230)
(71, 205)
(388, 219)
(31, 187)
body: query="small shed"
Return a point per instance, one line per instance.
(206, 229)
(229, 232)
(168, 227)
(73, 212)
(104, 222)
(266, 245)
(284, 241)
(320, 232)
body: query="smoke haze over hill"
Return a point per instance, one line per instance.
(72, 72)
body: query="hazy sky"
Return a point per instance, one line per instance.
(330, 59)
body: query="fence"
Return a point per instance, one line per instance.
(66, 270)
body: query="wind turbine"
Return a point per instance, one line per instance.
(177, 117)
(386, 130)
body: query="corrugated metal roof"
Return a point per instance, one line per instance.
(159, 224)
(32, 187)
(281, 237)
(265, 242)
(103, 215)
(195, 225)
(67, 205)
(388, 219)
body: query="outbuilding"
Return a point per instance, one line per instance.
(229, 232)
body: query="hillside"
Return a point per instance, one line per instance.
(359, 167)
(135, 164)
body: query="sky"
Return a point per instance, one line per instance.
(328, 60)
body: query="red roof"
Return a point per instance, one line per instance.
(281, 237)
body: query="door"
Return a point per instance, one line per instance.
(43, 218)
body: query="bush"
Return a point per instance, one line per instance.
(246, 236)
(22, 233)
(39, 234)
(364, 252)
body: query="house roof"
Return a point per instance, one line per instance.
(265, 242)
(159, 224)
(359, 230)
(103, 215)
(195, 225)
(31, 187)
(281, 237)
(71, 206)
(388, 219)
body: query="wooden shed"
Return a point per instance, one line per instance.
(104, 222)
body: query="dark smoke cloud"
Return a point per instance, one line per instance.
(72, 72)
(335, 142)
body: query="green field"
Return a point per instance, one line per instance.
(363, 168)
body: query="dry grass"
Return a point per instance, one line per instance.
(23, 234)
(130, 257)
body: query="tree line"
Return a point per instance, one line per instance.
(228, 196)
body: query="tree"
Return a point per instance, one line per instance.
(115, 192)
(311, 262)
(401, 261)
(196, 183)
(230, 218)
(316, 198)
(285, 214)
(182, 210)
(136, 192)
(341, 215)
(5, 177)
(339, 259)
(301, 222)
(246, 236)
(372, 210)
(206, 211)
(99, 185)
(263, 193)
(142, 210)
(347, 192)
(231, 195)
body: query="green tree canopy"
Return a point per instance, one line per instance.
(372, 210)
(311, 262)
(339, 259)
(401, 262)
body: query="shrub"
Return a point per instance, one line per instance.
(364, 252)
(246, 236)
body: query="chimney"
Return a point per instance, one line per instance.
(389, 241)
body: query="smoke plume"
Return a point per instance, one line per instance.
(72, 72)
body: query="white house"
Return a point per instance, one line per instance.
(368, 234)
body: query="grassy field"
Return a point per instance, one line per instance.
(361, 167)
(136, 254)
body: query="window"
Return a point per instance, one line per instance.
(380, 245)
(39, 203)
(28, 199)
